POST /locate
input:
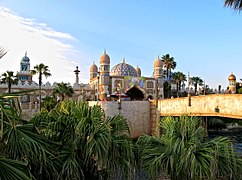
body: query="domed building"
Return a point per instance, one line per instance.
(232, 83)
(125, 80)
(24, 73)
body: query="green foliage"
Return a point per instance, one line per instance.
(169, 63)
(92, 145)
(11, 169)
(63, 89)
(41, 70)
(196, 81)
(183, 152)
(9, 78)
(235, 4)
(240, 90)
(49, 103)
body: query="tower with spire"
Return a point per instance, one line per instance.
(24, 73)
(158, 75)
(104, 81)
(77, 75)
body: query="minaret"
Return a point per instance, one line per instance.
(158, 68)
(93, 71)
(77, 75)
(138, 71)
(158, 75)
(24, 74)
(232, 83)
(104, 81)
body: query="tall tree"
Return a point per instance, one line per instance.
(184, 152)
(196, 81)
(41, 69)
(178, 78)
(63, 89)
(169, 63)
(235, 4)
(9, 78)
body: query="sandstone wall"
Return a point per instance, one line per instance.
(137, 114)
(223, 105)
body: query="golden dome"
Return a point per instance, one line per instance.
(158, 62)
(93, 68)
(232, 77)
(138, 71)
(105, 58)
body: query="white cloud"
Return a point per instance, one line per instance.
(43, 44)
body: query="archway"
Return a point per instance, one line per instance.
(135, 94)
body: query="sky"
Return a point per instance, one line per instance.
(204, 37)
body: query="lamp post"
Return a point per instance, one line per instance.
(189, 94)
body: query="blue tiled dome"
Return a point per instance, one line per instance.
(25, 59)
(123, 69)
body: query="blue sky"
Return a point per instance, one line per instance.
(202, 36)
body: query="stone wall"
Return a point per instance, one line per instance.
(137, 114)
(223, 105)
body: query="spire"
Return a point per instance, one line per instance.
(25, 53)
(124, 60)
(104, 51)
(77, 71)
(158, 56)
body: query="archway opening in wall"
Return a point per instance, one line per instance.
(135, 93)
(150, 97)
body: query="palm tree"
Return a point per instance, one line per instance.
(9, 78)
(183, 152)
(49, 103)
(22, 148)
(196, 81)
(41, 69)
(91, 144)
(169, 63)
(63, 89)
(178, 77)
(235, 4)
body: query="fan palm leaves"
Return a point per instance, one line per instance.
(9, 78)
(12, 169)
(235, 4)
(91, 144)
(183, 152)
(41, 70)
(3, 51)
(169, 63)
(63, 89)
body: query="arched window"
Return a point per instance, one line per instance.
(150, 84)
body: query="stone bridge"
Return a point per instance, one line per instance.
(222, 105)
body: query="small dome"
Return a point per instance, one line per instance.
(25, 59)
(105, 58)
(138, 70)
(158, 63)
(232, 77)
(123, 69)
(93, 68)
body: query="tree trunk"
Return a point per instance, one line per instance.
(167, 72)
(177, 89)
(9, 87)
(40, 82)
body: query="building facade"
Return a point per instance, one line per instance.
(123, 80)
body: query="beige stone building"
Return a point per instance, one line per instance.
(123, 80)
